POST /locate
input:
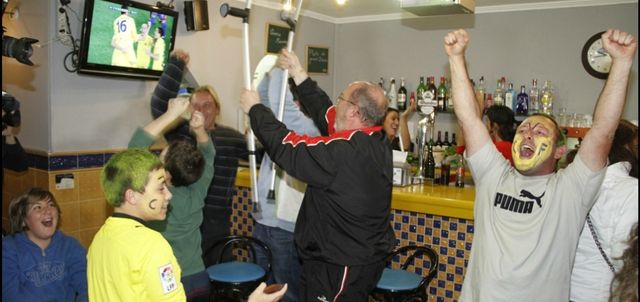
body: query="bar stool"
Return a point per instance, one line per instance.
(402, 285)
(237, 279)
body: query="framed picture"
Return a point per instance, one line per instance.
(276, 37)
(317, 59)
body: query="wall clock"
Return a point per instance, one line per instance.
(595, 59)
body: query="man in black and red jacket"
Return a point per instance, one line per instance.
(343, 233)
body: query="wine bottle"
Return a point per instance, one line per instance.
(381, 84)
(402, 96)
(392, 94)
(438, 150)
(420, 95)
(522, 102)
(430, 163)
(430, 93)
(446, 139)
(453, 140)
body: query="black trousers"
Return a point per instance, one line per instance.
(322, 281)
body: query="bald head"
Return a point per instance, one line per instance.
(371, 100)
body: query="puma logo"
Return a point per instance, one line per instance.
(527, 194)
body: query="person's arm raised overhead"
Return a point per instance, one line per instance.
(595, 147)
(475, 133)
(289, 61)
(404, 125)
(176, 109)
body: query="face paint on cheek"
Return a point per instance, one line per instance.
(541, 154)
(151, 206)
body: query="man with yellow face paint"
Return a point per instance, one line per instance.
(528, 217)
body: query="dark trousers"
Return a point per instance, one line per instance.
(285, 264)
(322, 281)
(196, 287)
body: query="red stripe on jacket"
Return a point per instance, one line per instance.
(295, 139)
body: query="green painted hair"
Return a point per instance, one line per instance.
(128, 169)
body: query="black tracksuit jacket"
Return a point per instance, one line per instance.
(345, 214)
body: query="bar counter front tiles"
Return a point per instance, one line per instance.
(436, 216)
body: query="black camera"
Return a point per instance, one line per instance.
(20, 49)
(11, 111)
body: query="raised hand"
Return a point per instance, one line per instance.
(619, 44)
(456, 42)
(178, 106)
(248, 98)
(181, 55)
(289, 61)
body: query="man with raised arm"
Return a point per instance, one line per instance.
(343, 233)
(528, 218)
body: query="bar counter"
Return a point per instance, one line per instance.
(449, 201)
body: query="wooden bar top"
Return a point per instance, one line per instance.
(421, 198)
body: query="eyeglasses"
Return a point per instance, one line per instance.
(341, 98)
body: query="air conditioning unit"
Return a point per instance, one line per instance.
(438, 7)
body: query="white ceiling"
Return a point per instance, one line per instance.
(369, 10)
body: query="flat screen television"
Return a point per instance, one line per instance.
(126, 38)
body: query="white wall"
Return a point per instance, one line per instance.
(542, 44)
(67, 112)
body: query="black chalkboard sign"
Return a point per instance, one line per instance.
(276, 38)
(317, 59)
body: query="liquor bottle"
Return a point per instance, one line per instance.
(489, 102)
(534, 101)
(449, 97)
(381, 84)
(392, 94)
(453, 140)
(522, 102)
(446, 139)
(430, 163)
(546, 98)
(498, 98)
(441, 95)
(402, 96)
(421, 106)
(430, 93)
(480, 91)
(460, 176)
(510, 97)
(438, 150)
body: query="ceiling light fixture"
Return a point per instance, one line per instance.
(341, 2)
(287, 5)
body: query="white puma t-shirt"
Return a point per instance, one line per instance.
(526, 229)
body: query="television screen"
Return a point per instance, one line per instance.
(126, 38)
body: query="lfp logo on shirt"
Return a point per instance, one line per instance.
(168, 279)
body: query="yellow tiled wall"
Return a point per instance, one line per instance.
(83, 207)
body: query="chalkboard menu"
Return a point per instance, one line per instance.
(317, 59)
(276, 38)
